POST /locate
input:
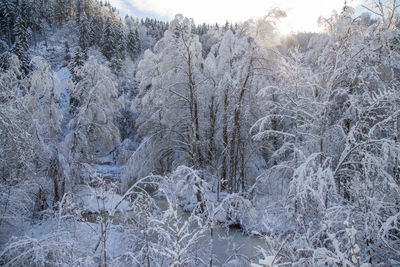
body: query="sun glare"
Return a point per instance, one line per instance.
(285, 27)
(301, 15)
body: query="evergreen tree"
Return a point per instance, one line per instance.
(46, 12)
(133, 44)
(7, 20)
(119, 48)
(116, 63)
(78, 11)
(67, 51)
(29, 12)
(96, 29)
(62, 10)
(107, 40)
(84, 36)
(21, 45)
(119, 40)
(77, 62)
(89, 8)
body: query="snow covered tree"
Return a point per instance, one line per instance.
(7, 20)
(96, 28)
(265, 30)
(77, 62)
(133, 44)
(295, 124)
(92, 129)
(22, 43)
(178, 243)
(30, 131)
(84, 35)
(42, 98)
(62, 10)
(386, 10)
(119, 48)
(232, 74)
(35, 97)
(16, 146)
(107, 40)
(169, 85)
(342, 119)
(41, 102)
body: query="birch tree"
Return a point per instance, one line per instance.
(169, 98)
(95, 99)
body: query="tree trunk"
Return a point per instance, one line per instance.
(213, 119)
(275, 128)
(224, 142)
(193, 111)
(242, 172)
(235, 138)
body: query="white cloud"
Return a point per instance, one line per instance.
(302, 14)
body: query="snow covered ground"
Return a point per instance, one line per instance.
(91, 199)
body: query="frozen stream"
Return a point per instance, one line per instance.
(226, 242)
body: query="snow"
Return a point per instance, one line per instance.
(64, 76)
(90, 200)
(109, 172)
(303, 170)
(80, 235)
(267, 260)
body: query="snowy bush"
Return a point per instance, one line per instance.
(177, 242)
(17, 202)
(48, 250)
(189, 188)
(311, 188)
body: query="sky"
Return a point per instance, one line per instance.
(302, 15)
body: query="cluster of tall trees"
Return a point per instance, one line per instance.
(307, 124)
(221, 110)
(315, 121)
(29, 85)
(25, 23)
(196, 106)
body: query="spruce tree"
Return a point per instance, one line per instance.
(22, 44)
(119, 48)
(95, 29)
(84, 35)
(138, 46)
(76, 63)
(107, 40)
(67, 56)
(116, 63)
(78, 11)
(7, 20)
(61, 10)
(133, 44)
(119, 39)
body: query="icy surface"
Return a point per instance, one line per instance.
(91, 199)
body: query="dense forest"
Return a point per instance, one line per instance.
(133, 142)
